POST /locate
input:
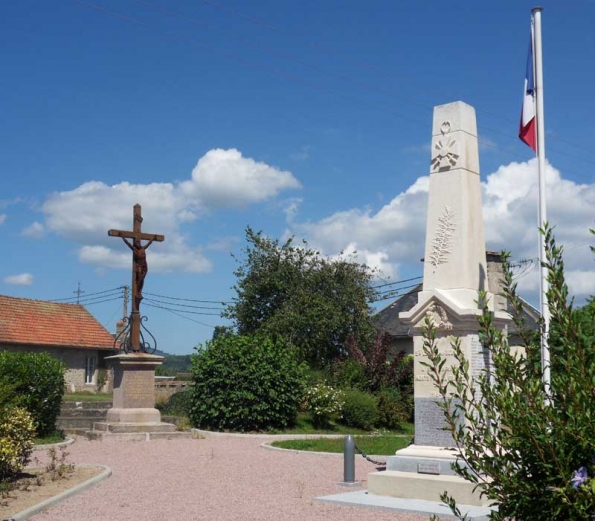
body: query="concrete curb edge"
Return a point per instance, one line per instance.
(65, 443)
(206, 434)
(35, 509)
(267, 445)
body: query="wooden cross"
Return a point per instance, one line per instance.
(139, 268)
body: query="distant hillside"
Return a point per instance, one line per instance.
(173, 364)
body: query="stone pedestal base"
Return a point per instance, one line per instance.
(423, 472)
(135, 431)
(136, 415)
(133, 416)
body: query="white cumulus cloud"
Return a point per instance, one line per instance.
(225, 178)
(35, 230)
(23, 279)
(221, 179)
(394, 235)
(2, 218)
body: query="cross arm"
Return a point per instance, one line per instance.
(135, 235)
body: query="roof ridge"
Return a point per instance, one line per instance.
(41, 300)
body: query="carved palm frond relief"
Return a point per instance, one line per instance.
(442, 242)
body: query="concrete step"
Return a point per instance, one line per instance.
(125, 427)
(137, 436)
(427, 487)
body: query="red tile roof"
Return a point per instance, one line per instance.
(38, 322)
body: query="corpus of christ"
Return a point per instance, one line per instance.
(131, 340)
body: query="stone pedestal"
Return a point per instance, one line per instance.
(133, 415)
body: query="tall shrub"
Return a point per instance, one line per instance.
(37, 380)
(531, 454)
(246, 383)
(16, 440)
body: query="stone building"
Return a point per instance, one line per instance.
(66, 331)
(387, 319)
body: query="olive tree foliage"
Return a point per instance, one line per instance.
(529, 452)
(312, 302)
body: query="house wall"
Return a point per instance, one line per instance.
(74, 360)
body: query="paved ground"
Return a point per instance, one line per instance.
(214, 479)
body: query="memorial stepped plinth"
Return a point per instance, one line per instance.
(133, 416)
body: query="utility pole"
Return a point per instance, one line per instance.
(78, 293)
(126, 290)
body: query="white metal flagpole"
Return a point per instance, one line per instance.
(543, 285)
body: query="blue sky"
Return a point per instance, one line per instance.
(305, 118)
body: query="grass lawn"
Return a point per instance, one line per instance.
(57, 437)
(87, 397)
(378, 445)
(304, 426)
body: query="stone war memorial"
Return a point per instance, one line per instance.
(133, 415)
(454, 272)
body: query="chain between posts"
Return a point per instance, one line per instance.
(366, 457)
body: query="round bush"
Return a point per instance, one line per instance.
(359, 410)
(38, 382)
(17, 432)
(245, 383)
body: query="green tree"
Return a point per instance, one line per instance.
(220, 331)
(530, 454)
(313, 303)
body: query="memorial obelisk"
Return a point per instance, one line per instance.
(454, 271)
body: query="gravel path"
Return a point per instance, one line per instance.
(212, 478)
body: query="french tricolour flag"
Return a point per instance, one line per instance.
(528, 130)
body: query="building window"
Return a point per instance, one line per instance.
(89, 369)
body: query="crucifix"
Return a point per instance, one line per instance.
(139, 268)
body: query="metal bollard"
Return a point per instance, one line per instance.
(349, 460)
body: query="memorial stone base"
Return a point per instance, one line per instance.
(423, 472)
(133, 416)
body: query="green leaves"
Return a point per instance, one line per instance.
(292, 292)
(520, 449)
(245, 383)
(36, 383)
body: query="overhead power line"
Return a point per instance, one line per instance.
(186, 299)
(395, 294)
(182, 316)
(100, 301)
(87, 295)
(397, 282)
(185, 305)
(155, 304)
(392, 290)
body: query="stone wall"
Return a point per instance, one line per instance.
(163, 390)
(74, 360)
